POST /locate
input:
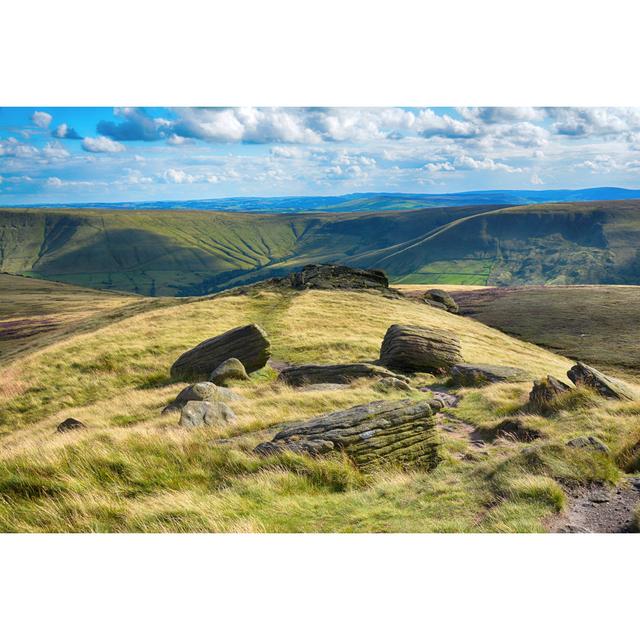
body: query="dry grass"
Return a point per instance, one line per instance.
(134, 470)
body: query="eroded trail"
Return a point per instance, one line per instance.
(600, 510)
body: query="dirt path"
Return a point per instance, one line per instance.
(600, 510)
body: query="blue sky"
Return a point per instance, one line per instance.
(84, 154)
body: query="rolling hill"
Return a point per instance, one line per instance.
(372, 201)
(198, 252)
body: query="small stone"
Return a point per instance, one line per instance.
(440, 298)
(391, 384)
(69, 425)
(201, 413)
(230, 369)
(600, 496)
(200, 391)
(588, 442)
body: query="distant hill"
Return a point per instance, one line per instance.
(371, 201)
(164, 252)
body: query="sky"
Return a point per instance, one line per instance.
(104, 154)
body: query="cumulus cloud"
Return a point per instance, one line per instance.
(428, 124)
(135, 124)
(497, 115)
(102, 144)
(41, 119)
(178, 176)
(594, 121)
(536, 179)
(65, 131)
(54, 182)
(488, 164)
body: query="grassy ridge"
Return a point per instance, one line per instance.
(134, 470)
(197, 252)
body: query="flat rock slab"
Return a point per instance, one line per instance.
(401, 432)
(205, 414)
(334, 276)
(476, 375)
(584, 375)
(249, 344)
(413, 348)
(307, 374)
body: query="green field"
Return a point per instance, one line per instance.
(184, 253)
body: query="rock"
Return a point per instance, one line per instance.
(231, 369)
(583, 375)
(201, 391)
(413, 348)
(392, 384)
(304, 374)
(324, 386)
(600, 496)
(515, 429)
(197, 413)
(588, 442)
(69, 425)
(249, 344)
(444, 399)
(441, 297)
(401, 432)
(435, 305)
(476, 375)
(545, 391)
(332, 276)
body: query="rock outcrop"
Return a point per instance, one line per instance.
(412, 348)
(441, 300)
(515, 429)
(198, 413)
(335, 276)
(249, 344)
(399, 432)
(229, 370)
(476, 375)
(588, 442)
(583, 375)
(199, 392)
(304, 374)
(545, 391)
(70, 424)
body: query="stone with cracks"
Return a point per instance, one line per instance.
(335, 276)
(412, 348)
(400, 432)
(197, 413)
(476, 375)
(392, 384)
(441, 299)
(304, 374)
(583, 375)
(201, 391)
(249, 344)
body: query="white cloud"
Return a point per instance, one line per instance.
(496, 115)
(54, 182)
(55, 151)
(102, 144)
(594, 121)
(467, 162)
(65, 131)
(536, 179)
(41, 119)
(178, 176)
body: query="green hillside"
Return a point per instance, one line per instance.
(197, 252)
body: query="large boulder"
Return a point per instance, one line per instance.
(545, 391)
(412, 348)
(440, 299)
(299, 375)
(197, 413)
(401, 432)
(229, 370)
(583, 375)
(199, 392)
(335, 276)
(476, 375)
(249, 344)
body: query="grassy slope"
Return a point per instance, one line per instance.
(596, 324)
(553, 243)
(197, 252)
(134, 470)
(36, 313)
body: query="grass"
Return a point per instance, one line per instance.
(597, 324)
(135, 470)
